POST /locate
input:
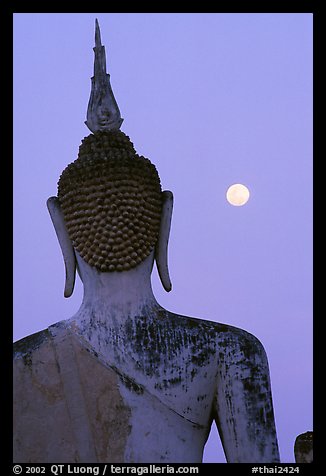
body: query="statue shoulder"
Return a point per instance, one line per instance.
(221, 333)
(27, 345)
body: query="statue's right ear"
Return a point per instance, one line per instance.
(65, 244)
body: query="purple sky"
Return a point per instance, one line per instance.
(211, 99)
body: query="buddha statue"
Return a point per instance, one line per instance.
(124, 380)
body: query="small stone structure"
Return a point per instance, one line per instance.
(124, 380)
(303, 448)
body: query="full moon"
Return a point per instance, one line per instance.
(237, 194)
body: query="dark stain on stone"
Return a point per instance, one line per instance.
(250, 385)
(161, 342)
(28, 344)
(193, 373)
(261, 415)
(201, 397)
(27, 359)
(175, 380)
(130, 383)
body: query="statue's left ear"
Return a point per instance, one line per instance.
(161, 248)
(65, 244)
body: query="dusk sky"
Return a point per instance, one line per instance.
(211, 99)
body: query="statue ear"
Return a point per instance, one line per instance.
(65, 244)
(161, 248)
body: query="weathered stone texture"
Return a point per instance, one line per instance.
(88, 424)
(303, 448)
(148, 394)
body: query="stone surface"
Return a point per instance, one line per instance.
(67, 406)
(303, 448)
(137, 386)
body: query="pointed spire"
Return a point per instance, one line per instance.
(98, 42)
(103, 112)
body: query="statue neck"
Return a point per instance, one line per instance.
(112, 298)
(112, 304)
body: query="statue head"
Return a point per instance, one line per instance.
(111, 200)
(110, 208)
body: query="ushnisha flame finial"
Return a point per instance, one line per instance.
(103, 112)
